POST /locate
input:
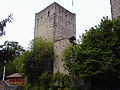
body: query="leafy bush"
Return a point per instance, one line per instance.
(97, 58)
(36, 62)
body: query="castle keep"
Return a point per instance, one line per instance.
(56, 24)
(115, 8)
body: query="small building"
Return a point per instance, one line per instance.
(15, 79)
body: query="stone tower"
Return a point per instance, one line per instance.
(115, 8)
(57, 24)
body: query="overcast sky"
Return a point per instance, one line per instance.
(88, 14)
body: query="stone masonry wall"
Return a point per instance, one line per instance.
(44, 23)
(115, 8)
(65, 27)
(57, 24)
(58, 49)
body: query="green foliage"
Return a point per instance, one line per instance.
(45, 81)
(98, 56)
(9, 51)
(19, 62)
(61, 80)
(10, 68)
(37, 61)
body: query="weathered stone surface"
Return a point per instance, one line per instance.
(57, 24)
(5, 85)
(115, 8)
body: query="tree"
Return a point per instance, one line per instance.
(11, 68)
(61, 80)
(3, 24)
(45, 81)
(19, 62)
(97, 58)
(8, 52)
(37, 61)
